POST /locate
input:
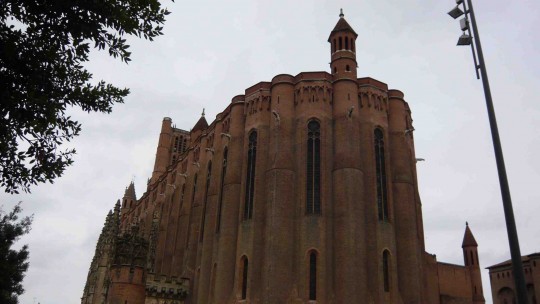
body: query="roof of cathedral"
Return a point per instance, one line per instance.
(201, 124)
(130, 191)
(468, 238)
(342, 26)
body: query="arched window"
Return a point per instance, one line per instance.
(380, 167)
(506, 295)
(347, 68)
(208, 176)
(220, 202)
(346, 43)
(335, 70)
(386, 272)
(352, 45)
(313, 168)
(250, 179)
(313, 275)
(244, 277)
(472, 258)
(334, 46)
(340, 43)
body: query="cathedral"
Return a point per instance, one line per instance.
(302, 190)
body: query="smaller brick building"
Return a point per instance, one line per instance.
(502, 280)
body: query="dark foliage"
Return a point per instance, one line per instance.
(43, 45)
(13, 263)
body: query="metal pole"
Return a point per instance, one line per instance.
(517, 267)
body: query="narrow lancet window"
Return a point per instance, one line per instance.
(194, 190)
(182, 195)
(192, 203)
(250, 179)
(386, 272)
(313, 168)
(380, 167)
(220, 202)
(244, 277)
(313, 276)
(208, 176)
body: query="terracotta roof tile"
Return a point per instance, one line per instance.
(200, 125)
(468, 238)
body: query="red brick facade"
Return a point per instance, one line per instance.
(501, 278)
(303, 190)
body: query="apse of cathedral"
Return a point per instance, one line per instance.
(302, 190)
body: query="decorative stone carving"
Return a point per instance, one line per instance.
(258, 103)
(313, 93)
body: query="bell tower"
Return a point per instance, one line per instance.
(349, 235)
(343, 50)
(470, 255)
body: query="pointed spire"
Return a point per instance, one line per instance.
(130, 191)
(468, 238)
(202, 112)
(201, 124)
(342, 26)
(341, 15)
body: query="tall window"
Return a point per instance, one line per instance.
(208, 176)
(182, 195)
(313, 167)
(386, 274)
(313, 275)
(244, 277)
(250, 180)
(380, 167)
(220, 202)
(194, 190)
(191, 211)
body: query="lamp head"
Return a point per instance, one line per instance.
(464, 40)
(456, 12)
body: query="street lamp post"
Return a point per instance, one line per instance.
(465, 39)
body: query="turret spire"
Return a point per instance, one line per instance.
(201, 124)
(468, 238)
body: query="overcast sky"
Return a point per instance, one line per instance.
(213, 50)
